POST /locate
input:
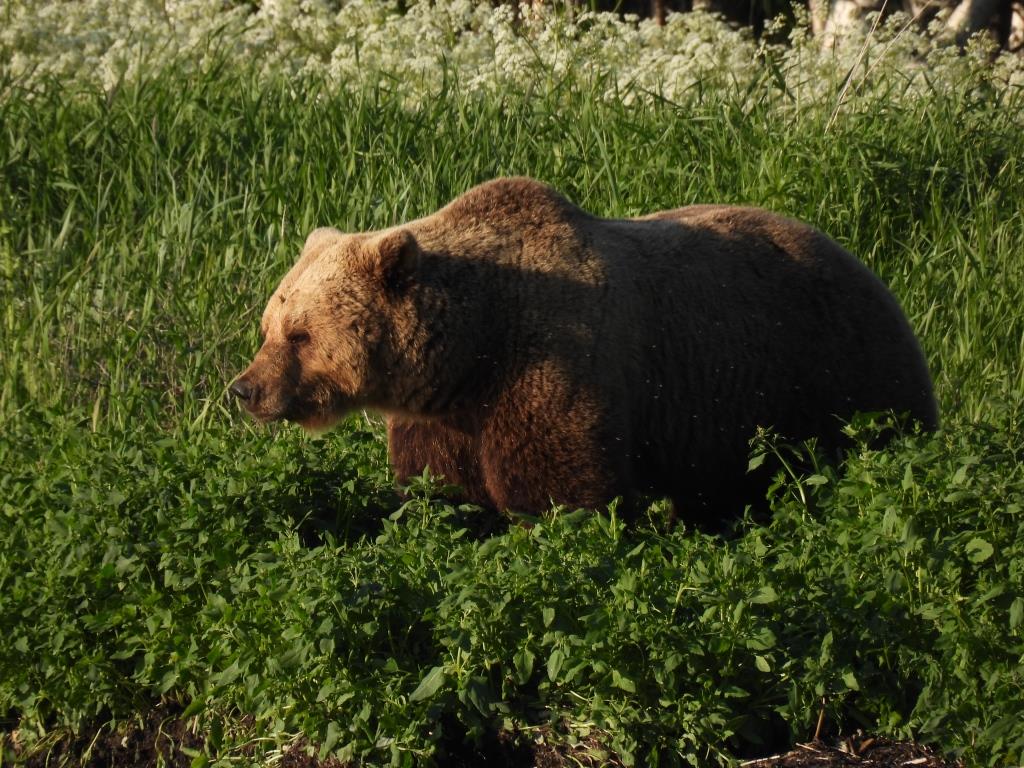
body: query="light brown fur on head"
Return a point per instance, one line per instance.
(328, 327)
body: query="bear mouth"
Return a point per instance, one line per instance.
(315, 409)
(262, 414)
(315, 415)
(316, 422)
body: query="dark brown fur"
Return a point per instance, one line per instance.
(531, 352)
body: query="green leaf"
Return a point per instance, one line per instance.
(555, 662)
(331, 738)
(762, 640)
(622, 682)
(978, 550)
(763, 596)
(478, 694)
(429, 685)
(762, 663)
(1016, 612)
(959, 476)
(523, 662)
(194, 708)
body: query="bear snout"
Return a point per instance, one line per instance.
(264, 400)
(242, 389)
(251, 396)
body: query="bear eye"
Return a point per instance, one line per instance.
(298, 337)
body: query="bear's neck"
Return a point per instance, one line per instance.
(452, 355)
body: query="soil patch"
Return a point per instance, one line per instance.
(163, 737)
(160, 737)
(864, 752)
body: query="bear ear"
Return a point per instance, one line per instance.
(319, 238)
(316, 243)
(395, 257)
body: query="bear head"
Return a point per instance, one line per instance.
(332, 329)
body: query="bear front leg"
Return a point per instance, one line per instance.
(549, 441)
(448, 451)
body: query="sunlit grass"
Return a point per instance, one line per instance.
(142, 232)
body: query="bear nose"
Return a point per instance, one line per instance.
(241, 389)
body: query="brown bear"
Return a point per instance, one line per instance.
(533, 353)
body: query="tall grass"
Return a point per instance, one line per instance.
(149, 532)
(143, 229)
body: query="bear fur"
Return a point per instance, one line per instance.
(533, 353)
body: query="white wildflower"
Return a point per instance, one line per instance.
(484, 49)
